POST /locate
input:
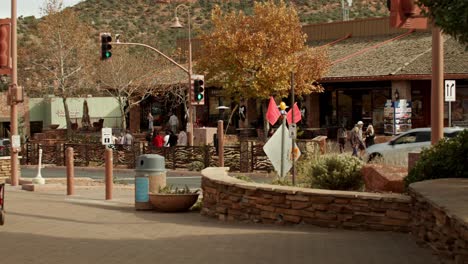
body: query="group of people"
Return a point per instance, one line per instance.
(359, 139)
(168, 138)
(126, 139)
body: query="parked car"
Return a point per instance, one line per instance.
(4, 146)
(399, 147)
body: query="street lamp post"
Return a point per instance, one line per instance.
(190, 108)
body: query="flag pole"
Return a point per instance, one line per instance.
(293, 134)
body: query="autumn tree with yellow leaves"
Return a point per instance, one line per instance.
(253, 56)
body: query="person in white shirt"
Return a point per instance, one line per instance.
(173, 122)
(182, 138)
(150, 122)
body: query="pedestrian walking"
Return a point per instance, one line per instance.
(370, 135)
(128, 140)
(356, 142)
(342, 135)
(173, 122)
(150, 122)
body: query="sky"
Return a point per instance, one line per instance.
(28, 7)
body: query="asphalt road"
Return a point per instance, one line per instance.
(120, 176)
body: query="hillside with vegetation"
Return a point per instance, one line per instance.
(149, 21)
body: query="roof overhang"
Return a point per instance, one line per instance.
(400, 77)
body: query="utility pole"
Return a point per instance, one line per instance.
(13, 102)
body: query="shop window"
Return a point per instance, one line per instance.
(460, 107)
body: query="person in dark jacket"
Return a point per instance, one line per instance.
(172, 139)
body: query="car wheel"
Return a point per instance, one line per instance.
(374, 157)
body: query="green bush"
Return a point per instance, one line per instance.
(333, 172)
(196, 166)
(244, 178)
(447, 159)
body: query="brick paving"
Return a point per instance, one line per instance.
(53, 228)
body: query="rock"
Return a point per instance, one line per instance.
(384, 178)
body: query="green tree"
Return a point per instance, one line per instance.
(451, 16)
(253, 56)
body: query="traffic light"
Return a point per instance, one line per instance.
(198, 85)
(106, 39)
(406, 14)
(5, 67)
(199, 90)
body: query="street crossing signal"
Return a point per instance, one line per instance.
(106, 39)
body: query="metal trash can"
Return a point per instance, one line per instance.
(150, 175)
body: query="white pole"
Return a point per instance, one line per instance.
(450, 114)
(38, 179)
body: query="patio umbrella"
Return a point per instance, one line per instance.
(85, 121)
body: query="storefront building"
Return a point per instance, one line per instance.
(371, 64)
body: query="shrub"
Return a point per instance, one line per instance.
(196, 166)
(282, 182)
(447, 159)
(333, 172)
(169, 189)
(244, 178)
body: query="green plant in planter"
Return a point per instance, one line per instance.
(446, 159)
(169, 189)
(244, 178)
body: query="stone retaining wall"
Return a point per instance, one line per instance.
(446, 234)
(228, 198)
(5, 168)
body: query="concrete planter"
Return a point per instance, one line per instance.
(173, 202)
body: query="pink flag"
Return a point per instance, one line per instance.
(297, 115)
(272, 113)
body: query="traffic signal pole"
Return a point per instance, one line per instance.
(13, 103)
(188, 71)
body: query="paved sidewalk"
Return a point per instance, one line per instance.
(52, 228)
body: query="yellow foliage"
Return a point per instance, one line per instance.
(253, 56)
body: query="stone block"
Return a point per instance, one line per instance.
(268, 215)
(395, 222)
(265, 208)
(299, 205)
(292, 219)
(341, 201)
(384, 178)
(297, 198)
(278, 199)
(398, 214)
(325, 216)
(321, 199)
(288, 211)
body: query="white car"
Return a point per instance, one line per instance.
(397, 149)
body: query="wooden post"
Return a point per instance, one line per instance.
(221, 143)
(109, 173)
(70, 171)
(437, 86)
